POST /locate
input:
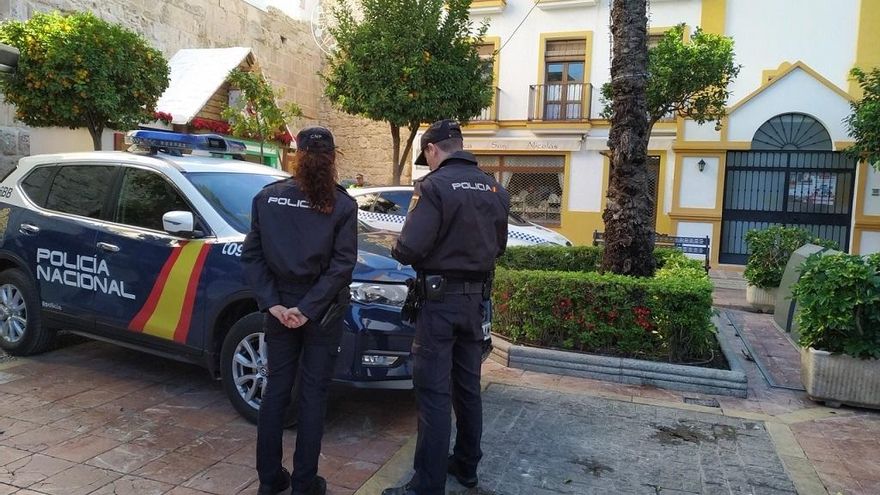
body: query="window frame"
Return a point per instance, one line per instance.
(586, 98)
(58, 167)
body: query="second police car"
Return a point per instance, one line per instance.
(386, 208)
(143, 250)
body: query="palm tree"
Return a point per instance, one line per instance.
(629, 229)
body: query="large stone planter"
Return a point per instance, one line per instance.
(764, 300)
(839, 379)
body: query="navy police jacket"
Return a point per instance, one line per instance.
(457, 224)
(295, 255)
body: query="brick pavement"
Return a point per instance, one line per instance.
(96, 419)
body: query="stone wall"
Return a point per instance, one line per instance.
(365, 147)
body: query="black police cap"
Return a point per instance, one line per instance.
(315, 139)
(439, 131)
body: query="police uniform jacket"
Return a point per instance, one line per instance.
(457, 224)
(295, 255)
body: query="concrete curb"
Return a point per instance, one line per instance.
(622, 370)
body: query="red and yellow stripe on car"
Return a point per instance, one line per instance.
(168, 310)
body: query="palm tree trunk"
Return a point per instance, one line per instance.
(629, 228)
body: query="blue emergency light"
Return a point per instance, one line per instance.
(176, 143)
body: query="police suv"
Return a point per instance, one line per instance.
(143, 250)
(386, 208)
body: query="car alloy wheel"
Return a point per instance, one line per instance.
(249, 368)
(13, 314)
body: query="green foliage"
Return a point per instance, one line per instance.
(864, 122)
(80, 71)
(407, 62)
(839, 297)
(257, 115)
(664, 318)
(687, 79)
(770, 249)
(553, 297)
(569, 259)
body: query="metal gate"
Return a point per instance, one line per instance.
(808, 189)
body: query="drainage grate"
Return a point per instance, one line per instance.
(702, 402)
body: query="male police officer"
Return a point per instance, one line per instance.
(456, 227)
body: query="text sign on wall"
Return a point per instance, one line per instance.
(500, 144)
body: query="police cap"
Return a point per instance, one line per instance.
(439, 131)
(315, 139)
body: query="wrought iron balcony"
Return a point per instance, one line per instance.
(490, 113)
(560, 102)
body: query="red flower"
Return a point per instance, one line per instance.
(163, 117)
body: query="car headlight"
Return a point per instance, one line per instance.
(375, 293)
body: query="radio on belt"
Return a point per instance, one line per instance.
(175, 143)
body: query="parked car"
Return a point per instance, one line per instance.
(386, 208)
(143, 250)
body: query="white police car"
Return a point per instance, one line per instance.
(143, 250)
(386, 208)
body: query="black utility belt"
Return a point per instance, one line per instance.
(434, 287)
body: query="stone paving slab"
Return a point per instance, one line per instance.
(546, 442)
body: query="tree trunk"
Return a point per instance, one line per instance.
(395, 155)
(407, 150)
(629, 228)
(96, 131)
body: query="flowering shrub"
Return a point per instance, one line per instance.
(667, 317)
(216, 126)
(163, 117)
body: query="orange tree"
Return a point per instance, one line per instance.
(80, 71)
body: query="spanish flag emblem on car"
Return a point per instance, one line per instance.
(167, 311)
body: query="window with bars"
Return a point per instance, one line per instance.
(487, 56)
(534, 182)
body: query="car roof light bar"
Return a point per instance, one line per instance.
(175, 143)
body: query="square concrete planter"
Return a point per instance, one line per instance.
(764, 300)
(839, 379)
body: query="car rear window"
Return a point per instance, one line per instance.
(36, 184)
(80, 190)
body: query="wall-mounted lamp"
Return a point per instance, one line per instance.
(701, 164)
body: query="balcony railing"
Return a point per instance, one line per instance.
(560, 102)
(490, 113)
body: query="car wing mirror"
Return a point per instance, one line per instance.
(180, 223)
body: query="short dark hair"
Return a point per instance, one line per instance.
(450, 145)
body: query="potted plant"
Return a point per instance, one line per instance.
(839, 320)
(769, 251)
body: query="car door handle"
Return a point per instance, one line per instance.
(110, 248)
(29, 229)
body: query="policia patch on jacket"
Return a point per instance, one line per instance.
(415, 197)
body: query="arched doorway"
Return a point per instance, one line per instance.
(789, 177)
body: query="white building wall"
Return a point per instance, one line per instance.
(519, 57)
(698, 189)
(797, 91)
(820, 33)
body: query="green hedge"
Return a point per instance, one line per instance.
(839, 297)
(567, 259)
(667, 317)
(770, 249)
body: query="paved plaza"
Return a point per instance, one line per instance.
(95, 419)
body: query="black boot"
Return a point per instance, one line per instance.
(400, 490)
(454, 468)
(282, 483)
(318, 487)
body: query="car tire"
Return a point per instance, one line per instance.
(21, 326)
(243, 369)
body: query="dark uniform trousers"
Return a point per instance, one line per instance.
(291, 352)
(448, 344)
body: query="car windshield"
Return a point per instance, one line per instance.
(231, 194)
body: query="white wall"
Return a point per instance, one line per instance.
(797, 91)
(585, 186)
(696, 132)
(698, 189)
(519, 57)
(821, 33)
(872, 203)
(870, 243)
(46, 140)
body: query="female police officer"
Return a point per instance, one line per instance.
(298, 259)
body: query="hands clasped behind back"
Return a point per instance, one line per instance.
(289, 317)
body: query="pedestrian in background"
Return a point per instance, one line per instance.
(358, 181)
(298, 258)
(455, 230)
